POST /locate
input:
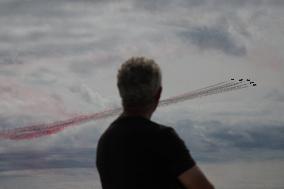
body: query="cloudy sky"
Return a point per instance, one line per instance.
(59, 58)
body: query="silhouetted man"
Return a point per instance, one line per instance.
(137, 153)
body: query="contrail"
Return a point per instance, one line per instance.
(45, 129)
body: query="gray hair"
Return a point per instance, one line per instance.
(138, 80)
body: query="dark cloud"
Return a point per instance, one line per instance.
(159, 5)
(267, 137)
(214, 38)
(42, 8)
(209, 141)
(75, 158)
(9, 58)
(245, 3)
(226, 3)
(152, 5)
(55, 46)
(27, 7)
(237, 3)
(275, 2)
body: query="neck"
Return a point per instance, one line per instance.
(140, 114)
(137, 112)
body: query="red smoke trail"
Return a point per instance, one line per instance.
(45, 129)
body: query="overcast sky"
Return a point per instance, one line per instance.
(59, 58)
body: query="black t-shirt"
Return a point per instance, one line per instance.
(136, 153)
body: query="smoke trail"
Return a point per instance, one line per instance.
(39, 130)
(213, 89)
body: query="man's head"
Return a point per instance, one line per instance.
(139, 83)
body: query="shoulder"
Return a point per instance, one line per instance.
(161, 130)
(164, 131)
(166, 135)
